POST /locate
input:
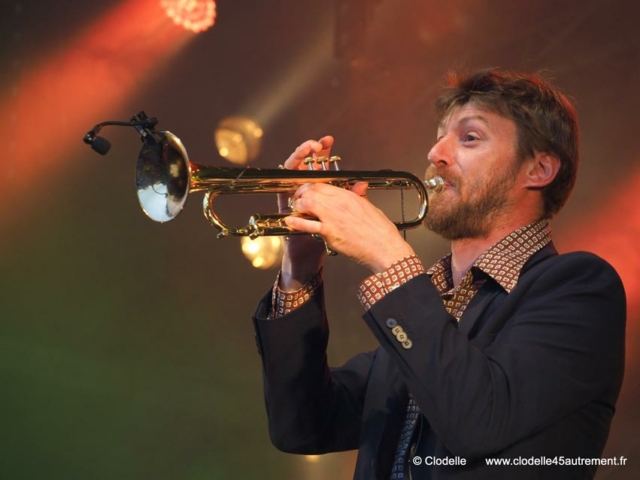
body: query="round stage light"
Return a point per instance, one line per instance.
(238, 139)
(263, 252)
(194, 15)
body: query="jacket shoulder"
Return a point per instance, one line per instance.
(586, 270)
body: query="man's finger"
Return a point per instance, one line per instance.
(303, 224)
(360, 188)
(309, 148)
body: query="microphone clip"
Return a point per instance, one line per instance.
(141, 122)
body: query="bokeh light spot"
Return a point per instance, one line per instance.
(194, 15)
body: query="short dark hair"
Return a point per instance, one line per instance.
(545, 119)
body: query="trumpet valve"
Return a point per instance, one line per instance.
(322, 161)
(309, 161)
(335, 160)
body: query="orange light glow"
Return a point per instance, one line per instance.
(45, 117)
(613, 233)
(194, 15)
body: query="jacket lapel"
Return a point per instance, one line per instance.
(481, 303)
(491, 294)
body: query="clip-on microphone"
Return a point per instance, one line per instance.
(143, 124)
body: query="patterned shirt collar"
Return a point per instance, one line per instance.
(504, 260)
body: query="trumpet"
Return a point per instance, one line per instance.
(165, 177)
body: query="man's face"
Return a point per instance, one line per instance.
(476, 156)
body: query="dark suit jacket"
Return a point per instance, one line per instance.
(534, 373)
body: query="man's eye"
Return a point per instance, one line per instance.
(469, 137)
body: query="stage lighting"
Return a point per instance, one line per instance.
(194, 15)
(263, 252)
(238, 139)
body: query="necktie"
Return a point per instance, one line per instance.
(408, 427)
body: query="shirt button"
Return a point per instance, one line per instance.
(407, 345)
(391, 322)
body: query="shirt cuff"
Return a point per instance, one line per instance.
(375, 287)
(285, 302)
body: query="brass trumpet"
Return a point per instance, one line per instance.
(165, 177)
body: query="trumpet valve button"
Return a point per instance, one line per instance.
(335, 160)
(322, 161)
(309, 161)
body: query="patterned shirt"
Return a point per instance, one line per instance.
(502, 262)
(284, 302)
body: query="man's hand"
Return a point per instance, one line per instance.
(350, 224)
(303, 255)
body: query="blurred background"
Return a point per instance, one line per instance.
(126, 346)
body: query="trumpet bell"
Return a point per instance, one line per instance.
(162, 176)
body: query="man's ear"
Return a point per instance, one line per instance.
(540, 170)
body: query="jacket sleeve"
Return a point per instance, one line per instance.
(556, 344)
(311, 408)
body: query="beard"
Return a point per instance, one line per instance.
(475, 216)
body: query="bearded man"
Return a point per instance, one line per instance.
(502, 353)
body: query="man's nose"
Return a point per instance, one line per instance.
(441, 154)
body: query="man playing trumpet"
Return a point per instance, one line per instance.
(503, 350)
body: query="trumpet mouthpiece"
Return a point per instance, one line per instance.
(435, 184)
